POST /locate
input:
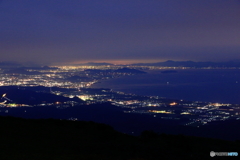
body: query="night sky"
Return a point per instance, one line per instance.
(119, 31)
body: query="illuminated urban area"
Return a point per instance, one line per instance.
(74, 82)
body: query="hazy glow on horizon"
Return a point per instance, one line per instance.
(117, 62)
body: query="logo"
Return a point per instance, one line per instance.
(212, 154)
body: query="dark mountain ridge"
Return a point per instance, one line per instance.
(171, 63)
(69, 140)
(27, 95)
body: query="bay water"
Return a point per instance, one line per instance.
(206, 85)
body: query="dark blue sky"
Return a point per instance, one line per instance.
(72, 31)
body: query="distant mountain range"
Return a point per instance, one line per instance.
(171, 63)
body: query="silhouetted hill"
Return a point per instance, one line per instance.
(129, 123)
(31, 97)
(69, 140)
(171, 63)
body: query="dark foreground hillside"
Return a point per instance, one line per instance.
(69, 140)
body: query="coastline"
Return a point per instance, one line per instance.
(185, 84)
